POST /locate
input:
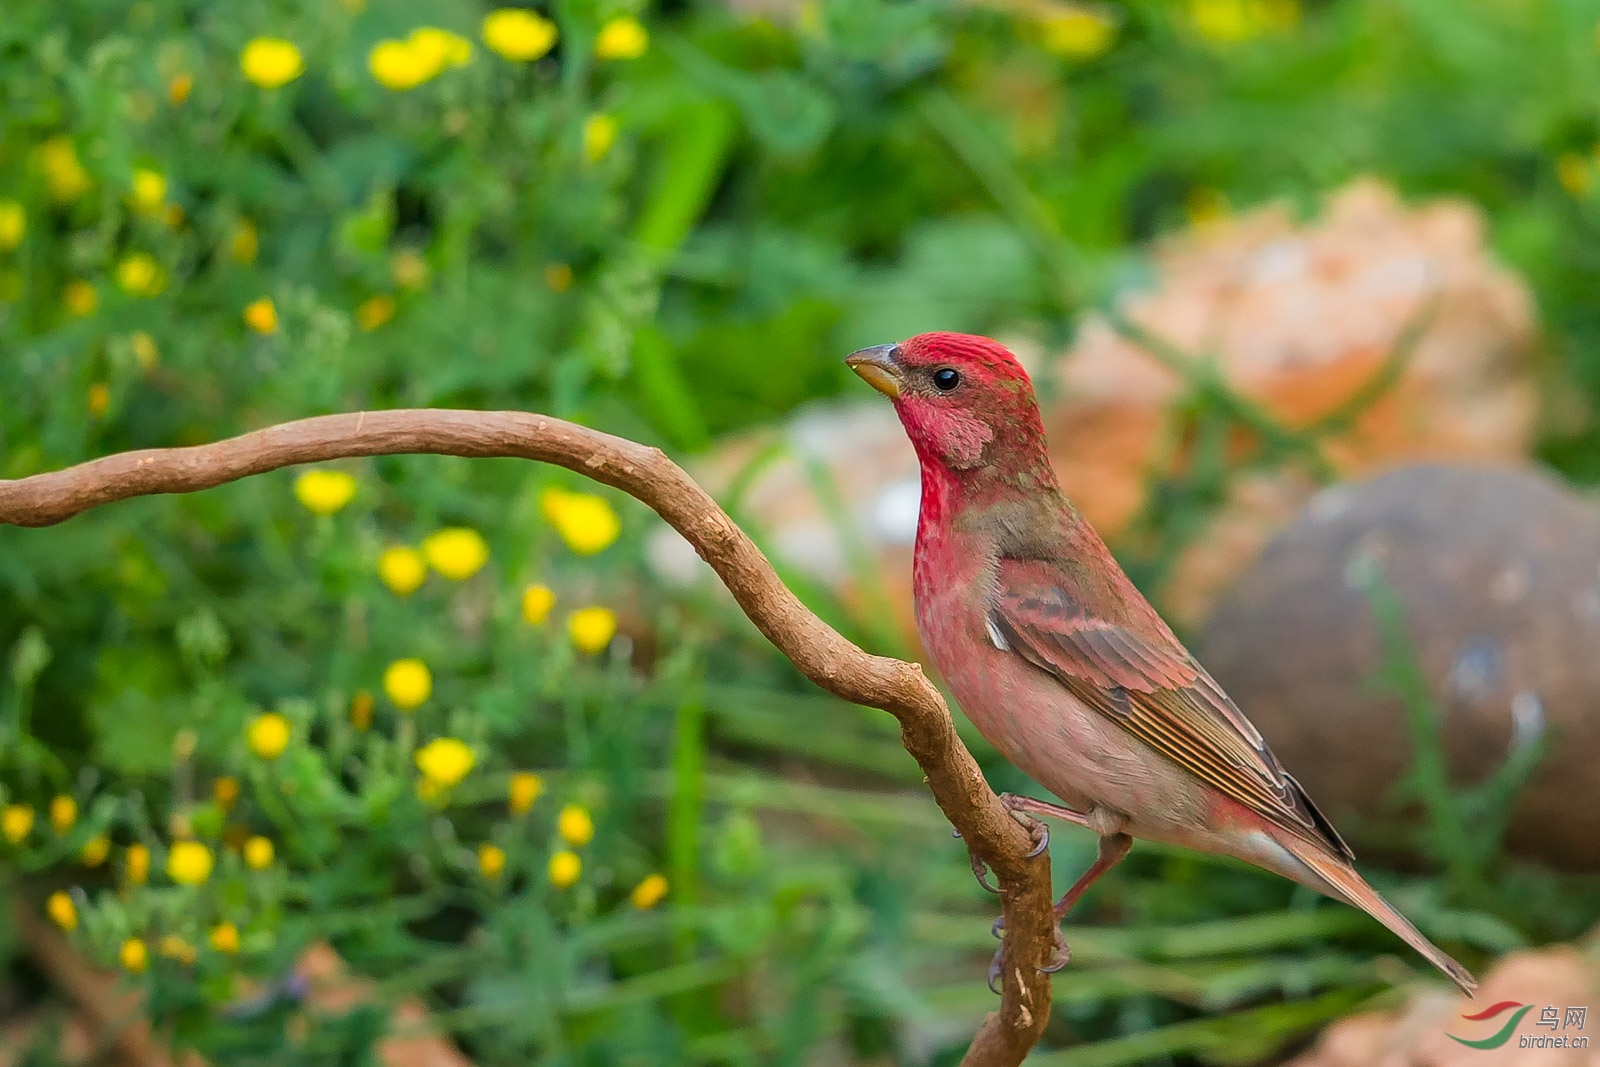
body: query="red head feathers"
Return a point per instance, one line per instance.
(965, 401)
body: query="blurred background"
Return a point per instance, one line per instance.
(433, 761)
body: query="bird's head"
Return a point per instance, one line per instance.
(965, 401)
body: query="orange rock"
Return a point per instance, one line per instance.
(1303, 320)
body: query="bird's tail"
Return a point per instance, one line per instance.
(1349, 886)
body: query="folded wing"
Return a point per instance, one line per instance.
(1149, 685)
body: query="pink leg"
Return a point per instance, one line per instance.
(1013, 802)
(1112, 848)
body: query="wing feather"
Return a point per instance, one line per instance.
(1153, 689)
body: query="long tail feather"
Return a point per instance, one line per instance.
(1353, 889)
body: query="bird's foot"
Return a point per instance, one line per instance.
(1058, 959)
(1061, 957)
(1040, 832)
(980, 871)
(1023, 810)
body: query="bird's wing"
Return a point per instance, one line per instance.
(1153, 688)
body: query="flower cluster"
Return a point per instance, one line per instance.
(404, 63)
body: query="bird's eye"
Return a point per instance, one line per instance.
(946, 379)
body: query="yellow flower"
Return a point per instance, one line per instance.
(13, 223)
(558, 276)
(95, 850)
(176, 948)
(1223, 21)
(136, 865)
(648, 893)
(537, 600)
(1574, 174)
(245, 244)
(173, 216)
(517, 34)
(1232, 21)
(452, 49)
(62, 911)
(63, 173)
(491, 860)
(262, 315)
(225, 790)
(258, 853)
(179, 87)
(599, 134)
(145, 352)
(271, 62)
(140, 275)
(99, 399)
(135, 956)
(80, 298)
(149, 190)
(575, 826)
(565, 867)
(402, 569)
(445, 761)
(375, 311)
(16, 821)
(624, 37)
(408, 683)
(63, 813)
(400, 65)
(189, 863)
(592, 629)
(361, 710)
(224, 937)
(456, 552)
(268, 735)
(409, 269)
(324, 492)
(1079, 32)
(586, 522)
(525, 789)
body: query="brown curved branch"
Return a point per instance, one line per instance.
(646, 473)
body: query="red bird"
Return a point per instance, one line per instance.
(1063, 665)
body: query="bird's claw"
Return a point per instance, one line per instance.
(1041, 832)
(1058, 959)
(981, 873)
(1061, 957)
(1034, 826)
(998, 930)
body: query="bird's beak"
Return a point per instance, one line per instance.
(879, 367)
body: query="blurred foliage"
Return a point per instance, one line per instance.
(669, 222)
